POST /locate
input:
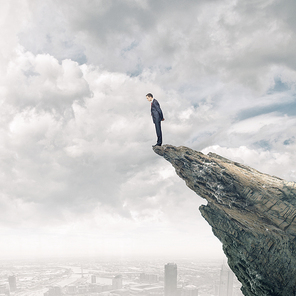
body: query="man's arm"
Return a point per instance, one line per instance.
(159, 111)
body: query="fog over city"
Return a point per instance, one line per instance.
(78, 174)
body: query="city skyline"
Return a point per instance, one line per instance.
(78, 174)
(113, 278)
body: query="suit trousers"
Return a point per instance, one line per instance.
(158, 132)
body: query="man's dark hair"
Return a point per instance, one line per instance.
(149, 95)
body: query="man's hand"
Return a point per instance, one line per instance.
(162, 119)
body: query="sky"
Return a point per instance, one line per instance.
(78, 174)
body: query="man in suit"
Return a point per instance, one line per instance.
(157, 117)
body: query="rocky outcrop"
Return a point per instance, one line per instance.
(253, 215)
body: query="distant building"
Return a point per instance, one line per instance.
(12, 283)
(54, 291)
(226, 281)
(216, 287)
(142, 277)
(117, 282)
(106, 288)
(190, 290)
(170, 279)
(94, 288)
(82, 289)
(149, 278)
(4, 290)
(146, 289)
(71, 290)
(93, 279)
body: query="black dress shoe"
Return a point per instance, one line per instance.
(156, 145)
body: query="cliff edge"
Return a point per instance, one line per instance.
(252, 214)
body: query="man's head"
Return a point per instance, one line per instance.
(149, 97)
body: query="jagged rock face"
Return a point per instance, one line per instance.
(252, 214)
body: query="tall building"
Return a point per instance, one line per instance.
(12, 283)
(170, 279)
(93, 279)
(226, 281)
(117, 282)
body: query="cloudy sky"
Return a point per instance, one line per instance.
(78, 175)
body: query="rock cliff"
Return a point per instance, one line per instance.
(251, 213)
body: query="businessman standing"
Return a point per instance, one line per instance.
(157, 117)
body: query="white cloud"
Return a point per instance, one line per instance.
(76, 130)
(269, 162)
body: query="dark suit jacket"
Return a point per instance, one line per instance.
(156, 112)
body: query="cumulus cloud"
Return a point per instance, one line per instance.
(76, 130)
(235, 41)
(42, 83)
(75, 156)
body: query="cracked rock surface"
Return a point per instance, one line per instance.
(252, 214)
